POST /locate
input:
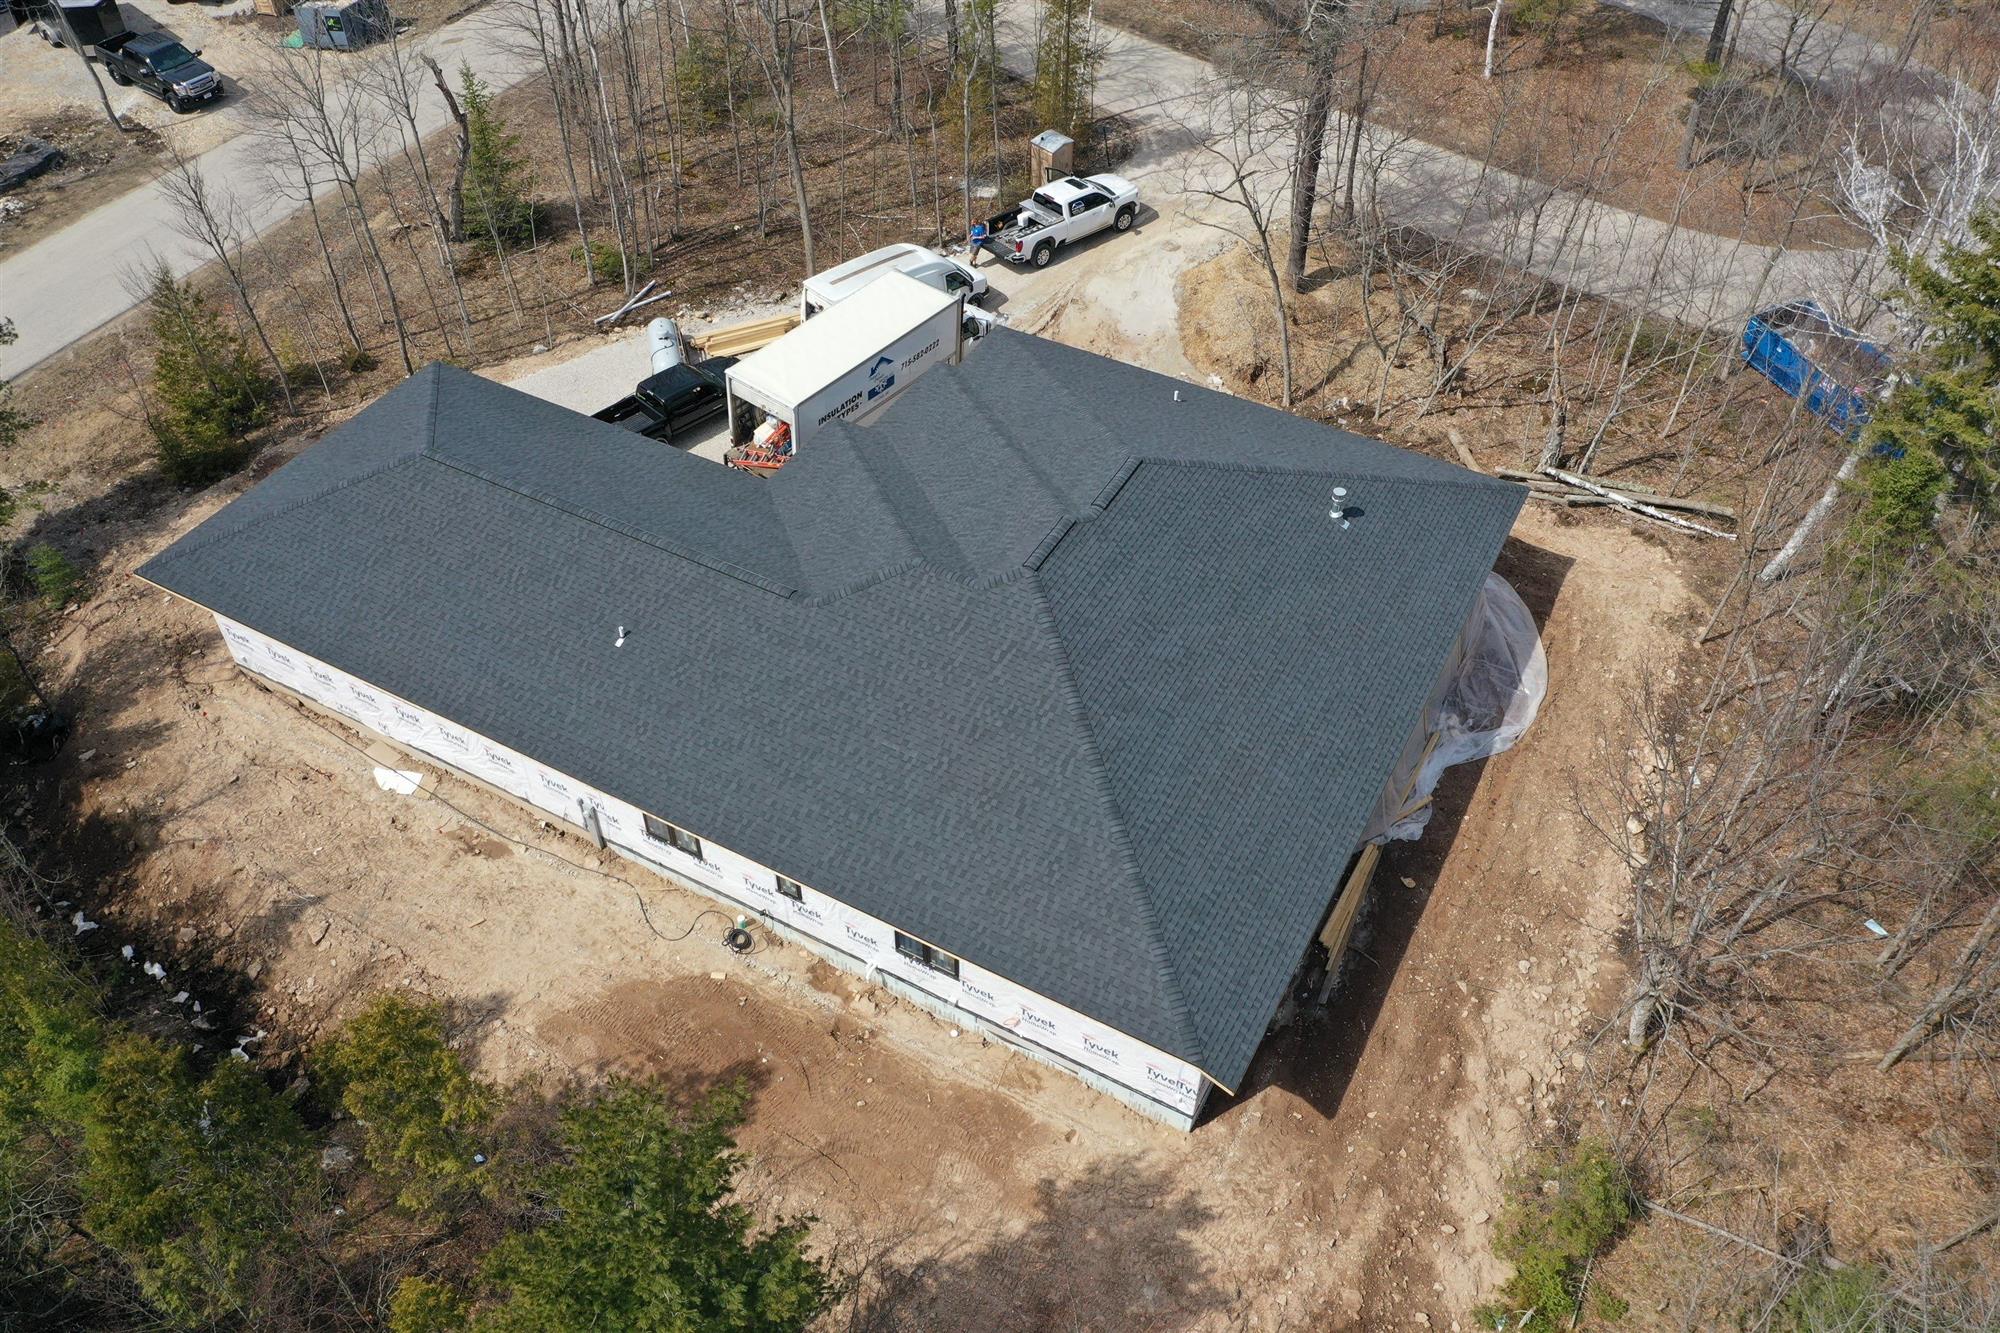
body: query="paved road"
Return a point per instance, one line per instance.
(1178, 103)
(69, 284)
(1770, 33)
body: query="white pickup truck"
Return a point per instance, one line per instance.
(1066, 209)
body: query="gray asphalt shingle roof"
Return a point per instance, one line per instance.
(1073, 679)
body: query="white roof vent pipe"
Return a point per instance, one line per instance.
(1339, 511)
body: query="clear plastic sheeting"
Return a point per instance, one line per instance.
(1487, 705)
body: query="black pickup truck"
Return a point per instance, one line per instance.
(673, 402)
(162, 66)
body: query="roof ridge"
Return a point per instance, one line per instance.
(903, 495)
(605, 521)
(1471, 481)
(1100, 778)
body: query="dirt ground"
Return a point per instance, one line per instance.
(1350, 1183)
(103, 164)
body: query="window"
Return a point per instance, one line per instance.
(955, 282)
(677, 838)
(789, 888)
(937, 960)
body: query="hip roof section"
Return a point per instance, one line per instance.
(1060, 665)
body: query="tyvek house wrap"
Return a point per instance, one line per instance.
(1172, 1082)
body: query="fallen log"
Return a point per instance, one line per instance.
(638, 299)
(1641, 493)
(1626, 502)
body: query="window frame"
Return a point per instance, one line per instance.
(927, 955)
(789, 889)
(671, 835)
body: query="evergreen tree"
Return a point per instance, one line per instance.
(13, 422)
(499, 214)
(209, 390)
(643, 1234)
(1935, 433)
(423, 1111)
(192, 1180)
(51, 1041)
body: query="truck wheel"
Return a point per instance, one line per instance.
(118, 77)
(1124, 219)
(179, 107)
(1043, 254)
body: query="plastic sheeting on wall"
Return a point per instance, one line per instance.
(1489, 703)
(735, 880)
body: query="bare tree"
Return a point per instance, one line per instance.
(1243, 167)
(323, 126)
(211, 218)
(396, 77)
(776, 51)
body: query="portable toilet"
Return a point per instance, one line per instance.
(1051, 154)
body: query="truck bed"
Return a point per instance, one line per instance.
(1003, 229)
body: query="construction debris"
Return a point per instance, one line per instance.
(639, 299)
(744, 337)
(1652, 511)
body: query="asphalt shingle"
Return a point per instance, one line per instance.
(1073, 679)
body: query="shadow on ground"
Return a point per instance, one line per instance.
(1316, 1054)
(1115, 1238)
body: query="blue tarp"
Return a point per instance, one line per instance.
(1799, 348)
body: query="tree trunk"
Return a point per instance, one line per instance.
(1782, 561)
(1310, 153)
(1717, 35)
(1354, 146)
(95, 82)
(456, 222)
(833, 65)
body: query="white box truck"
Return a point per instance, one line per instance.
(824, 290)
(846, 364)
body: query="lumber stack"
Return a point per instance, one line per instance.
(747, 336)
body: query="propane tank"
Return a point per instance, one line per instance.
(663, 339)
